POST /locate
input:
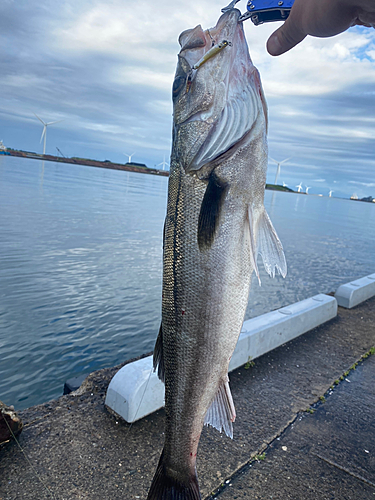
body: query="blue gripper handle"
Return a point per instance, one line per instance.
(265, 11)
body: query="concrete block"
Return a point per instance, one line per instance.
(135, 391)
(353, 293)
(264, 333)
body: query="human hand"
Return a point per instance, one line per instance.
(321, 18)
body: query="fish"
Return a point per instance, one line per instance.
(215, 227)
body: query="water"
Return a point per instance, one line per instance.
(80, 267)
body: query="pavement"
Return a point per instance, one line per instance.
(305, 429)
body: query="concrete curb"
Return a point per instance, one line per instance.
(353, 293)
(135, 391)
(264, 333)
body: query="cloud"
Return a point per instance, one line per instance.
(132, 75)
(367, 184)
(321, 66)
(106, 69)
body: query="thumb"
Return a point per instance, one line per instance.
(284, 38)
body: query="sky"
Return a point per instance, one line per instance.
(105, 68)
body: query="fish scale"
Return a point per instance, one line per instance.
(215, 226)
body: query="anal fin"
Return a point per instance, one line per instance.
(158, 358)
(222, 413)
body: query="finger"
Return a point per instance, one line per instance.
(284, 39)
(367, 19)
(360, 23)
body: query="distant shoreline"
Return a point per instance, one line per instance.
(135, 167)
(128, 167)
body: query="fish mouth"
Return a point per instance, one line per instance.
(222, 33)
(226, 26)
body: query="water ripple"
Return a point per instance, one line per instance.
(80, 267)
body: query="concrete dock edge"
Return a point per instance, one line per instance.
(266, 332)
(322, 381)
(135, 391)
(351, 294)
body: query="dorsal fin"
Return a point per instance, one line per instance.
(264, 240)
(158, 358)
(270, 247)
(253, 244)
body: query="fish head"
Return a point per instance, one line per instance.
(217, 94)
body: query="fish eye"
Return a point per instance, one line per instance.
(178, 84)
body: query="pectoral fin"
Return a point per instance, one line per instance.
(222, 413)
(264, 240)
(210, 211)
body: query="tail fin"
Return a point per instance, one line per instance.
(165, 487)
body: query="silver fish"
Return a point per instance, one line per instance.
(215, 226)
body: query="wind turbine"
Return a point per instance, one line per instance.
(299, 187)
(307, 189)
(279, 163)
(330, 193)
(129, 156)
(285, 185)
(164, 163)
(44, 133)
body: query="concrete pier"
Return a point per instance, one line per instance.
(135, 391)
(310, 441)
